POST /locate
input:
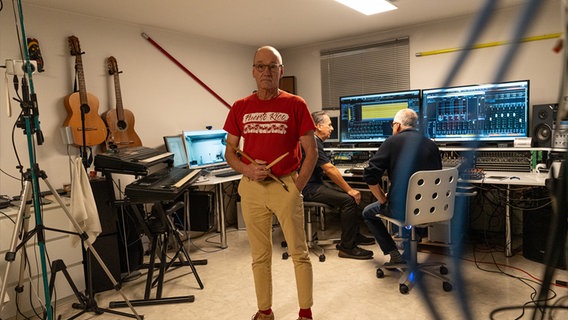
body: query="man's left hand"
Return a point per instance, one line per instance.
(356, 195)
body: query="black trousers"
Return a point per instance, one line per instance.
(350, 212)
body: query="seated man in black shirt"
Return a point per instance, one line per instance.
(347, 200)
(401, 155)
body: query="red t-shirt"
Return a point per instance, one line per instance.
(271, 128)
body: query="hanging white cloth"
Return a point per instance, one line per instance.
(83, 205)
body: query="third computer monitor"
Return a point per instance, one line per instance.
(495, 112)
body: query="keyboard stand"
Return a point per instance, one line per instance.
(160, 227)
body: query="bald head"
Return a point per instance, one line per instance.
(268, 50)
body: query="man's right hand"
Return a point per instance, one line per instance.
(257, 170)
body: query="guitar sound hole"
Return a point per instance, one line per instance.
(85, 108)
(121, 124)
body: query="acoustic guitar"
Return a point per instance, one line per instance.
(120, 121)
(82, 107)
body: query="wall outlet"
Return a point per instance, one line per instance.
(18, 67)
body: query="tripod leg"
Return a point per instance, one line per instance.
(18, 229)
(89, 244)
(24, 253)
(57, 266)
(182, 249)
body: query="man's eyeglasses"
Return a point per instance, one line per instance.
(273, 67)
(392, 125)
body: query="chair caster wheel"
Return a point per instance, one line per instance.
(380, 273)
(283, 244)
(403, 288)
(322, 258)
(447, 286)
(443, 270)
(285, 256)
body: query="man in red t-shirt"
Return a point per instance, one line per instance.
(271, 123)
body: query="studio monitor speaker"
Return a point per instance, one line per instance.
(542, 124)
(103, 193)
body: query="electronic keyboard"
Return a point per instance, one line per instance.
(163, 185)
(134, 160)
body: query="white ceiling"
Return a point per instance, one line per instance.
(284, 24)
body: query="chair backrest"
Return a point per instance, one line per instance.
(431, 196)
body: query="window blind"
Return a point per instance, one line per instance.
(370, 68)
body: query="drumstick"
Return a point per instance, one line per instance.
(237, 150)
(277, 160)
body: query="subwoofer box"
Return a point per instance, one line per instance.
(201, 212)
(107, 248)
(536, 228)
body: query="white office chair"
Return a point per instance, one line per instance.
(430, 198)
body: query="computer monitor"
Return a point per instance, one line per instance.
(494, 112)
(205, 148)
(367, 118)
(175, 145)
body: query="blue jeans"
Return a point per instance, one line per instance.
(377, 226)
(350, 213)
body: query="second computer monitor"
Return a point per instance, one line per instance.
(367, 118)
(205, 148)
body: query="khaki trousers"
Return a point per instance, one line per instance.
(259, 201)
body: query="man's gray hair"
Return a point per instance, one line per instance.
(407, 118)
(318, 116)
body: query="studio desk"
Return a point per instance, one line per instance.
(217, 182)
(508, 179)
(490, 178)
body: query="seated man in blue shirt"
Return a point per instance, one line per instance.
(346, 199)
(401, 155)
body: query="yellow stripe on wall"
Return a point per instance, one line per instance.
(488, 44)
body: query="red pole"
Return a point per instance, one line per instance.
(145, 36)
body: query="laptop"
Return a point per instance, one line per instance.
(175, 145)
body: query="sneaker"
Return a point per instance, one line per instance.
(261, 316)
(355, 253)
(364, 240)
(394, 264)
(396, 259)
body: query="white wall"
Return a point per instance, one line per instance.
(534, 60)
(164, 99)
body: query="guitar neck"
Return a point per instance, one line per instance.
(118, 95)
(81, 78)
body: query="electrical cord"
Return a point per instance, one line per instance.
(526, 281)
